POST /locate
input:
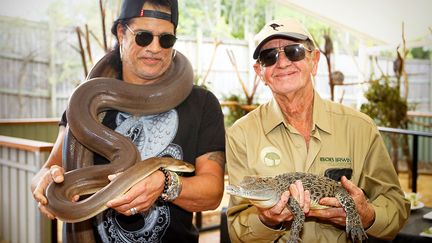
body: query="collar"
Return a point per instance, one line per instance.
(272, 116)
(321, 114)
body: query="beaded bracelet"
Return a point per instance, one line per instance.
(166, 173)
(172, 186)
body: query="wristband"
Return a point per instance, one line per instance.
(166, 183)
(172, 187)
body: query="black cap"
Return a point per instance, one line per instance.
(134, 8)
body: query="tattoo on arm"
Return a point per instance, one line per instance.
(218, 157)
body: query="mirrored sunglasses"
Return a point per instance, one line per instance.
(294, 53)
(144, 38)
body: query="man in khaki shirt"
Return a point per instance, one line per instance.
(299, 131)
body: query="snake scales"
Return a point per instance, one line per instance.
(85, 133)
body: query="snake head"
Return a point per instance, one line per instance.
(175, 164)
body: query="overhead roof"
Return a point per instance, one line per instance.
(378, 20)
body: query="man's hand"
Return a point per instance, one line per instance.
(279, 213)
(337, 215)
(141, 196)
(56, 174)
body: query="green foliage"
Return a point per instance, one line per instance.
(221, 18)
(234, 112)
(386, 106)
(420, 53)
(239, 13)
(315, 27)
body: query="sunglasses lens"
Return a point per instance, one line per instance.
(268, 57)
(167, 40)
(143, 38)
(295, 52)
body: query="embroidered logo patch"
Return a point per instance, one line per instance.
(270, 156)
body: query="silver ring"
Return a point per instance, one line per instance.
(133, 211)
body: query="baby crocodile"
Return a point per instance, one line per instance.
(265, 192)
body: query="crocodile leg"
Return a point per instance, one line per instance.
(299, 219)
(354, 226)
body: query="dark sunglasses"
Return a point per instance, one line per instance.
(294, 53)
(144, 38)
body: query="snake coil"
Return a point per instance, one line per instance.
(85, 133)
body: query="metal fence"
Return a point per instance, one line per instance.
(419, 122)
(422, 122)
(20, 220)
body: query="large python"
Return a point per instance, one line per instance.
(265, 192)
(86, 135)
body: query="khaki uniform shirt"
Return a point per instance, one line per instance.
(263, 143)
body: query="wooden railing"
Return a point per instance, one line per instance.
(41, 129)
(20, 219)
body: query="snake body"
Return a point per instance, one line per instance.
(85, 132)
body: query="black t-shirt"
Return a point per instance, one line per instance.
(190, 130)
